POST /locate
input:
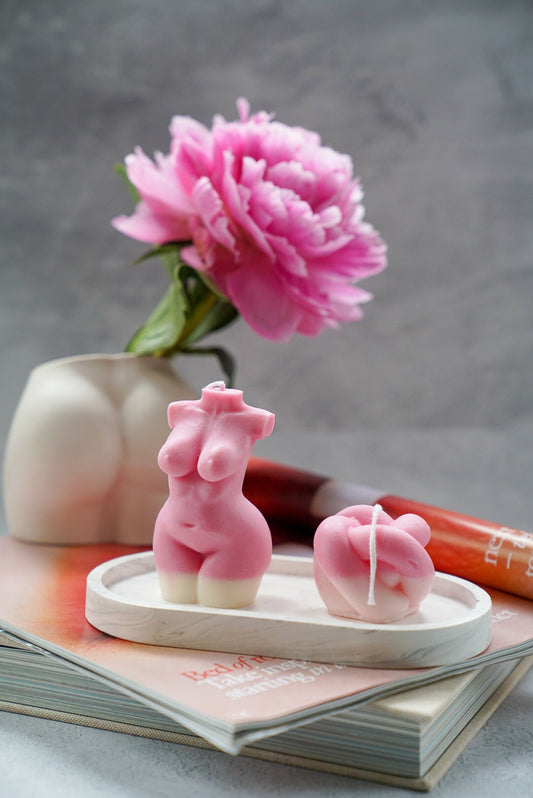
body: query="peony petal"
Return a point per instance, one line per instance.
(154, 183)
(292, 175)
(252, 172)
(288, 257)
(234, 204)
(185, 128)
(192, 163)
(330, 217)
(258, 292)
(243, 107)
(144, 225)
(191, 256)
(312, 325)
(292, 217)
(211, 210)
(276, 219)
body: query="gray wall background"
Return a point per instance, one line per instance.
(434, 101)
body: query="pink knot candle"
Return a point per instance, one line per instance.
(211, 545)
(370, 567)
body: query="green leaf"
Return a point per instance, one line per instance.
(161, 332)
(212, 286)
(189, 280)
(191, 309)
(207, 311)
(170, 252)
(220, 314)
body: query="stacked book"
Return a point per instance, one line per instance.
(402, 727)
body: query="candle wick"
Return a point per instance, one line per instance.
(219, 385)
(371, 601)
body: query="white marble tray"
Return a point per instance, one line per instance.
(288, 619)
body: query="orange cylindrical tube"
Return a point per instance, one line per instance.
(281, 492)
(481, 551)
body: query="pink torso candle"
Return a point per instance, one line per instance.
(211, 544)
(370, 567)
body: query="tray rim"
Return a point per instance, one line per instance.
(290, 565)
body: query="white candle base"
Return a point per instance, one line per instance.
(221, 593)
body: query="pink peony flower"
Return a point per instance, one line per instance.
(275, 219)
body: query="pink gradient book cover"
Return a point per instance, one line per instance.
(229, 699)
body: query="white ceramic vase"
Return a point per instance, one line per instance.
(81, 456)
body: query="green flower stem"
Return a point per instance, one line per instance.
(190, 334)
(191, 309)
(199, 311)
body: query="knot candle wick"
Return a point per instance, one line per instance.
(371, 601)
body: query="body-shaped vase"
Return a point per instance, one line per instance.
(80, 464)
(211, 545)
